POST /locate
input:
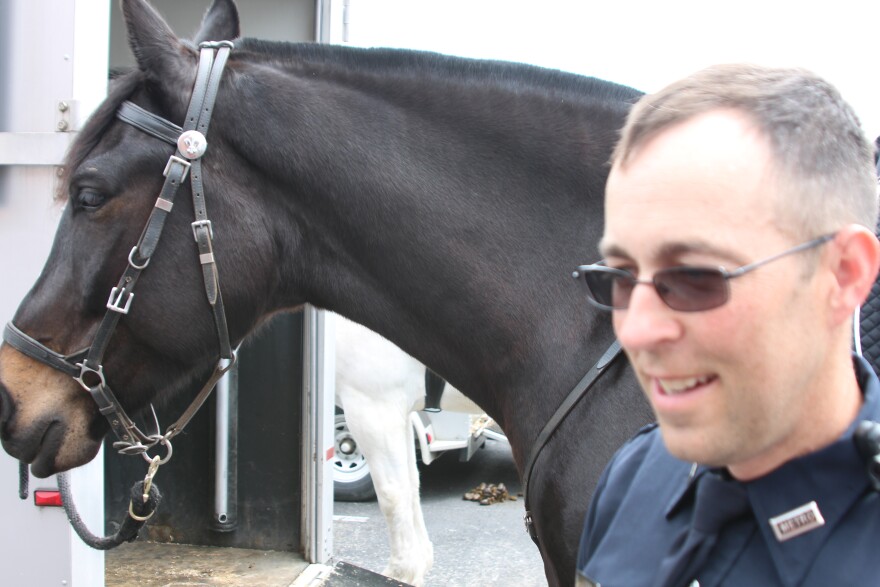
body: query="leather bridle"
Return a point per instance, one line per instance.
(85, 366)
(567, 405)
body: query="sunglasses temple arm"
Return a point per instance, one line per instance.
(801, 247)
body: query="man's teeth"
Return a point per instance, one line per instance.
(675, 386)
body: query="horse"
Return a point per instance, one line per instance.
(441, 202)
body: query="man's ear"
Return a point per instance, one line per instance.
(854, 263)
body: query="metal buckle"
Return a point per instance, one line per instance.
(175, 159)
(84, 369)
(200, 223)
(114, 302)
(135, 265)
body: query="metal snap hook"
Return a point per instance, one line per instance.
(148, 479)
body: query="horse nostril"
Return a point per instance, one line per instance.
(5, 406)
(5, 410)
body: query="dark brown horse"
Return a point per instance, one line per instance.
(442, 202)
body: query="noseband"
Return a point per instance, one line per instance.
(85, 366)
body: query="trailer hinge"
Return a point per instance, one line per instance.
(67, 117)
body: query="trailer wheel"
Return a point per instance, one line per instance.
(351, 474)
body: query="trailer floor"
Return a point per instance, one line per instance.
(150, 564)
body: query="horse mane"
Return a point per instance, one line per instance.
(518, 76)
(122, 86)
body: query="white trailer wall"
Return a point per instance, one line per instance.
(52, 72)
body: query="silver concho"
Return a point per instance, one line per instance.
(192, 144)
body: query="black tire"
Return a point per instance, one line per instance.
(351, 474)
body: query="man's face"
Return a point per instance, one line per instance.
(733, 385)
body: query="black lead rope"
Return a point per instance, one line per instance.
(24, 478)
(142, 506)
(139, 511)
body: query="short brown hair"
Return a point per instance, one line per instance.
(824, 160)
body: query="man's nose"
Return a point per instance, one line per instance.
(647, 320)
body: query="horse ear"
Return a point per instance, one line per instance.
(156, 48)
(220, 23)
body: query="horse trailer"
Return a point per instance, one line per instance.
(234, 482)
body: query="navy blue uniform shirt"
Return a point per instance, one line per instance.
(643, 502)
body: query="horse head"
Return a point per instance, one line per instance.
(163, 338)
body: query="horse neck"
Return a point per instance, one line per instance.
(445, 214)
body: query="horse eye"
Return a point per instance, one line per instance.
(90, 199)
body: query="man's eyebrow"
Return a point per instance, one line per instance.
(670, 252)
(607, 249)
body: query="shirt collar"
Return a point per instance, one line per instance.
(834, 477)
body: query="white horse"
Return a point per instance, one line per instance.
(378, 385)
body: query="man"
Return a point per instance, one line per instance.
(754, 475)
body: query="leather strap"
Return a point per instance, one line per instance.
(202, 228)
(553, 423)
(148, 122)
(23, 343)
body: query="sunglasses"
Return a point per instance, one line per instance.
(685, 288)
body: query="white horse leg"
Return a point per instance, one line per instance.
(377, 385)
(419, 529)
(383, 432)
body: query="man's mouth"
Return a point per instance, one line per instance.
(679, 386)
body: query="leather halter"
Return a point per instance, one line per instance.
(85, 366)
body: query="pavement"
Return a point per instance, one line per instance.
(474, 545)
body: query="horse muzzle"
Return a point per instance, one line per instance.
(45, 418)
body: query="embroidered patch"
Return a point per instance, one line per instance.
(797, 521)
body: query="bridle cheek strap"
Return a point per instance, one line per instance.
(86, 366)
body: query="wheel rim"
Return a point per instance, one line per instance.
(349, 464)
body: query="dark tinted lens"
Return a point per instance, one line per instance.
(611, 288)
(690, 289)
